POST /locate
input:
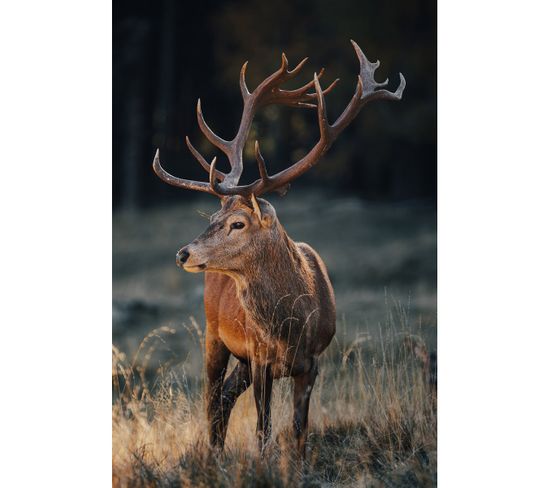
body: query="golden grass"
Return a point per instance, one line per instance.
(372, 423)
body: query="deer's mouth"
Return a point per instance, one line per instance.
(196, 268)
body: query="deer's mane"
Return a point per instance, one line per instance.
(276, 288)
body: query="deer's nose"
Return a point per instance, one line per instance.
(182, 256)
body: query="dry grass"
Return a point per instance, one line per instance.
(372, 422)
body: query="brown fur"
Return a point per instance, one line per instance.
(270, 303)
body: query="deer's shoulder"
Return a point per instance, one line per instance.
(312, 257)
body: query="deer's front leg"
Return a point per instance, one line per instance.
(217, 357)
(303, 386)
(263, 381)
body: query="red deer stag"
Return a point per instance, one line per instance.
(268, 300)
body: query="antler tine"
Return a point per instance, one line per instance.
(220, 143)
(324, 126)
(307, 86)
(293, 98)
(326, 91)
(366, 71)
(299, 97)
(201, 160)
(366, 90)
(297, 69)
(180, 182)
(212, 178)
(261, 163)
(284, 63)
(242, 82)
(263, 94)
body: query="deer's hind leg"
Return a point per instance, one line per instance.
(303, 386)
(263, 383)
(217, 357)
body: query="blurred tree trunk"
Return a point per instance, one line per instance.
(134, 115)
(132, 151)
(166, 95)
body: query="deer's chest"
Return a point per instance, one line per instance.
(249, 342)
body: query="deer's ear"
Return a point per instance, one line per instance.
(256, 207)
(265, 220)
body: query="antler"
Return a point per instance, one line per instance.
(269, 92)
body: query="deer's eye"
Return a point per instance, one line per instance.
(237, 225)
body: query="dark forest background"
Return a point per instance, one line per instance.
(167, 54)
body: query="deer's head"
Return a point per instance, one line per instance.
(238, 233)
(245, 223)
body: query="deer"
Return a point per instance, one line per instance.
(268, 300)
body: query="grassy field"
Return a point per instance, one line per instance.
(373, 411)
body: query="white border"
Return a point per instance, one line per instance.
(493, 241)
(56, 243)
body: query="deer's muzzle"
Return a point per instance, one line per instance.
(184, 260)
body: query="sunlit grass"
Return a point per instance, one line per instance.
(372, 421)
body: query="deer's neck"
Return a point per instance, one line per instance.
(276, 287)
